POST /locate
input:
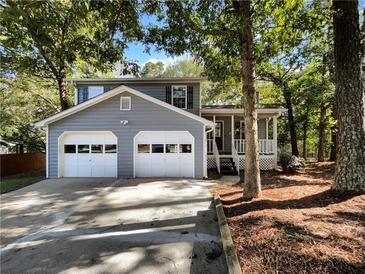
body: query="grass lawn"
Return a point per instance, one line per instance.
(11, 183)
(298, 225)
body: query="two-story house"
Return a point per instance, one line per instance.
(154, 127)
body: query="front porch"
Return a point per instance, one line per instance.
(226, 143)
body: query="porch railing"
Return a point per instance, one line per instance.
(266, 146)
(210, 145)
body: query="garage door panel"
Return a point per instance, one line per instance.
(93, 162)
(171, 162)
(70, 171)
(98, 171)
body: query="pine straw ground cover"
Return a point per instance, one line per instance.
(298, 225)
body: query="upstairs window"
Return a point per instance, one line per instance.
(125, 103)
(95, 91)
(179, 97)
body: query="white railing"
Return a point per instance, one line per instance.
(236, 159)
(210, 145)
(216, 156)
(266, 146)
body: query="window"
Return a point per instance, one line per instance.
(83, 148)
(143, 148)
(95, 91)
(157, 148)
(171, 148)
(185, 148)
(96, 148)
(70, 148)
(179, 96)
(125, 103)
(110, 148)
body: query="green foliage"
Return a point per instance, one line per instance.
(184, 68)
(151, 69)
(49, 39)
(25, 100)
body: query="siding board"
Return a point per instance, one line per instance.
(157, 91)
(144, 116)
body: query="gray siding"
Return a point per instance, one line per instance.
(106, 116)
(158, 91)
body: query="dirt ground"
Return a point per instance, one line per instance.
(298, 225)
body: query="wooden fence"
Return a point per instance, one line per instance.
(11, 164)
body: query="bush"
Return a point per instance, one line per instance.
(291, 163)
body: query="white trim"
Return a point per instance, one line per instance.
(269, 111)
(173, 131)
(47, 172)
(113, 92)
(130, 102)
(76, 96)
(214, 128)
(232, 131)
(60, 147)
(186, 95)
(205, 153)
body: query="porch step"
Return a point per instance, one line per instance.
(227, 166)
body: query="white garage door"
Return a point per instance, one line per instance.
(164, 154)
(89, 155)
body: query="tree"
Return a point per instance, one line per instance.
(151, 69)
(26, 99)
(184, 68)
(219, 35)
(350, 163)
(287, 30)
(47, 38)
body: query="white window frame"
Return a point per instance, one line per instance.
(186, 95)
(130, 103)
(94, 87)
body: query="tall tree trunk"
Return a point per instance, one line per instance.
(252, 182)
(350, 164)
(333, 153)
(62, 91)
(305, 130)
(292, 129)
(321, 132)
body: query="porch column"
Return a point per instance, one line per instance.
(214, 128)
(232, 131)
(275, 139)
(267, 127)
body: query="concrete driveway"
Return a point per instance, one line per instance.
(108, 226)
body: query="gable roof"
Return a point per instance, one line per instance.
(111, 93)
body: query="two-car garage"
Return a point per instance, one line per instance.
(155, 154)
